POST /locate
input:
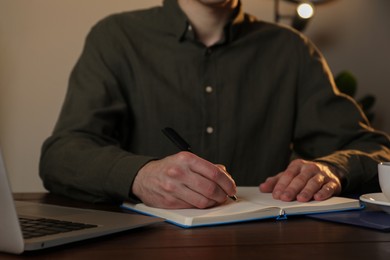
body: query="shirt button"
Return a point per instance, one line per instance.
(209, 130)
(209, 89)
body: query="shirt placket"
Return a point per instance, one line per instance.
(209, 88)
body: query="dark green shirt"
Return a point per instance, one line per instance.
(249, 102)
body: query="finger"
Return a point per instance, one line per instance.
(311, 188)
(206, 188)
(170, 202)
(163, 195)
(204, 177)
(198, 200)
(217, 175)
(269, 184)
(222, 167)
(285, 180)
(224, 170)
(178, 194)
(300, 182)
(164, 183)
(327, 191)
(185, 199)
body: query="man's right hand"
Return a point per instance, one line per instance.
(183, 180)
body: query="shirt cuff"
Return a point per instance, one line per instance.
(122, 175)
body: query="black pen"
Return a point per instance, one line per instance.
(182, 145)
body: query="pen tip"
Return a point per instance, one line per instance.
(234, 197)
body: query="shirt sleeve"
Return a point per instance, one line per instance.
(331, 128)
(87, 156)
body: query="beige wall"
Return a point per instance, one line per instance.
(40, 41)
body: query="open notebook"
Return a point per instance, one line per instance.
(49, 225)
(251, 205)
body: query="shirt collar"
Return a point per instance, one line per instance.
(177, 20)
(182, 29)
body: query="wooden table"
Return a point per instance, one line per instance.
(295, 238)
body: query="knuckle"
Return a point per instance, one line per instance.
(292, 189)
(169, 187)
(312, 167)
(311, 189)
(288, 174)
(331, 187)
(174, 171)
(297, 162)
(302, 179)
(214, 174)
(316, 180)
(184, 156)
(270, 178)
(211, 190)
(221, 166)
(309, 170)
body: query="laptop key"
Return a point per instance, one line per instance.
(40, 227)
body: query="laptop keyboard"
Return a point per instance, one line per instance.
(41, 227)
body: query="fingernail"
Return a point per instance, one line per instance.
(303, 197)
(318, 196)
(286, 195)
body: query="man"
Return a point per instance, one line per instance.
(247, 95)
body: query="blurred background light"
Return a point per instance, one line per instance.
(304, 12)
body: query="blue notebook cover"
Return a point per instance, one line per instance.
(378, 220)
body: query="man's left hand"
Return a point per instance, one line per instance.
(303, 181)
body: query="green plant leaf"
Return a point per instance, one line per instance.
(367, 102)
(346, 83)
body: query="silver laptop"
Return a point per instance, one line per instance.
(57, 225)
